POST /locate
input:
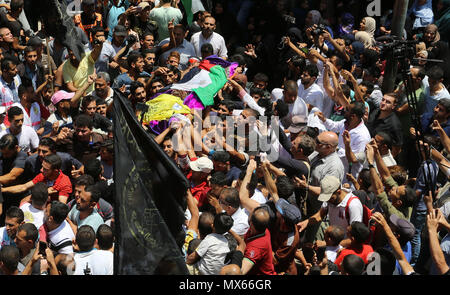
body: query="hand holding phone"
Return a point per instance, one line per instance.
(42, 248)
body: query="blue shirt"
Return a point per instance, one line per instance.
(94, 219)
(427, 120)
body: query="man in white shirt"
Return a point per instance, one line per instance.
(34, 211)
(182, 46)
(59, 233)
(354, 125)
(297, 106)
(434, 90)
(207, 35)
(308, 89)
(230, 202)
(90, 260)
(27, 137)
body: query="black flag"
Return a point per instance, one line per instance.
(149, 200)
(58, 24)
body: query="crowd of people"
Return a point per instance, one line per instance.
(305, 164)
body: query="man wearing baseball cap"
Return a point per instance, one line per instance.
(61, 100)
(335, 199)
(200, 169)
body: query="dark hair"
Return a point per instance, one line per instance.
(85, 238)
(85, 180)
(95, 193)
(31, 231)
(395, 96)
(409, 197)
(231, 196)
(359, 109)
(97, 29)
(307, 144)
(15, 212)
(399, 174)
(134, 86)
(94, 169)
(14, 111)
(298, 61)
(39, 194)
(175, 70)
(132, 58)
(360, 232)
(259, 224)
(369, 85)
(54, 160)
(365, 177)
(6, 62)
(290, 86)
(87, 100)
(84, 120)
(435, 73)
(221, 156)
(59, 211)
(50, 143)
(373, 71)
(256, 91)
(239, 58)
(282, 108)
(100, 101)
(285, 187)
(261, 77)
(28, 49)
(10, 256)
(445, 102)
(8, 141)
(312, 70)
(336, 234)
(219, 178)
(222, 223)
(16, 4)
(387, 139)
(353, 264)
(105, 237)
(204, 223)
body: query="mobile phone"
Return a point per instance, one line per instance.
(308, 253)
(42, 248)
(305, 50)
(320, 253)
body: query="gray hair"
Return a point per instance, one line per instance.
(104, 76)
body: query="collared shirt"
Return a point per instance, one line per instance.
(216, 40)
(31, 74)
(360, 136)
(185, 49)
(427, 121)
(312, 95)
(336, 213)
(390, 124)
(240, 224)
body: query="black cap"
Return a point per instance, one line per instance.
(88, 2)
(34, 41)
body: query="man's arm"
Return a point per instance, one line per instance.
(246, 202)
(247, 265)
(75, 100)
(348, 150)
(445, 140)
(17, 189)
(193, 258)
(435, 247)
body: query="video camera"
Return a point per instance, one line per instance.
(319, 30)
(399, 49)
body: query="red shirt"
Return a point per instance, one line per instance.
(62, 184)
(259, 251)
(199, 191)
(363, 253)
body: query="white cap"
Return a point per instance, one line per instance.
(202, 164)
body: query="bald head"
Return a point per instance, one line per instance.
(326, 143)
(241, 79)
(230, 270)
(260, 219)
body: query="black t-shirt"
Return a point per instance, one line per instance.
(391, 125)
(6, 165)
(13, 26)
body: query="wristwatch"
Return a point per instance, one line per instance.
(371, 166)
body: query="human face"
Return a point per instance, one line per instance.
(256, 97)
(84, 201)
(387, 103)
(220, 166)
(140, 94)
(395, 194)
(11, 72)
(168, 148)
(31, 58)
(169, 77)
(11, 225)
(17, 122)
(260, 84)
(43, 151)
(105, 155)
(440, 112)
(323, 146)
(429, 35)
(156, 87)
(179, 35)
(148, 42)
(306, 78)
(139, 65)
(101, 87)
(149, 60)
(21, 241)
(289, 97)
(173, 61)
(47, 170)
(78, 190)
(101, 109)
(294, 148)
(6, 35)
(362, 25)
(91, 108)
(83, 133)
(208, 26)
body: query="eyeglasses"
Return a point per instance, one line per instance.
(322, 143)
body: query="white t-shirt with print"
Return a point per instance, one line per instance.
(32, 215)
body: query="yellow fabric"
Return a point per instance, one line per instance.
(78, 76)
(163, 107)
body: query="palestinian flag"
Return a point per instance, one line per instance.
(205, 81)
(192, 7)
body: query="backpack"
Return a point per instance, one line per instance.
(367, 213)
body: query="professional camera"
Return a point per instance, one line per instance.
(131, 39)
(319, 30)
(398, 49)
